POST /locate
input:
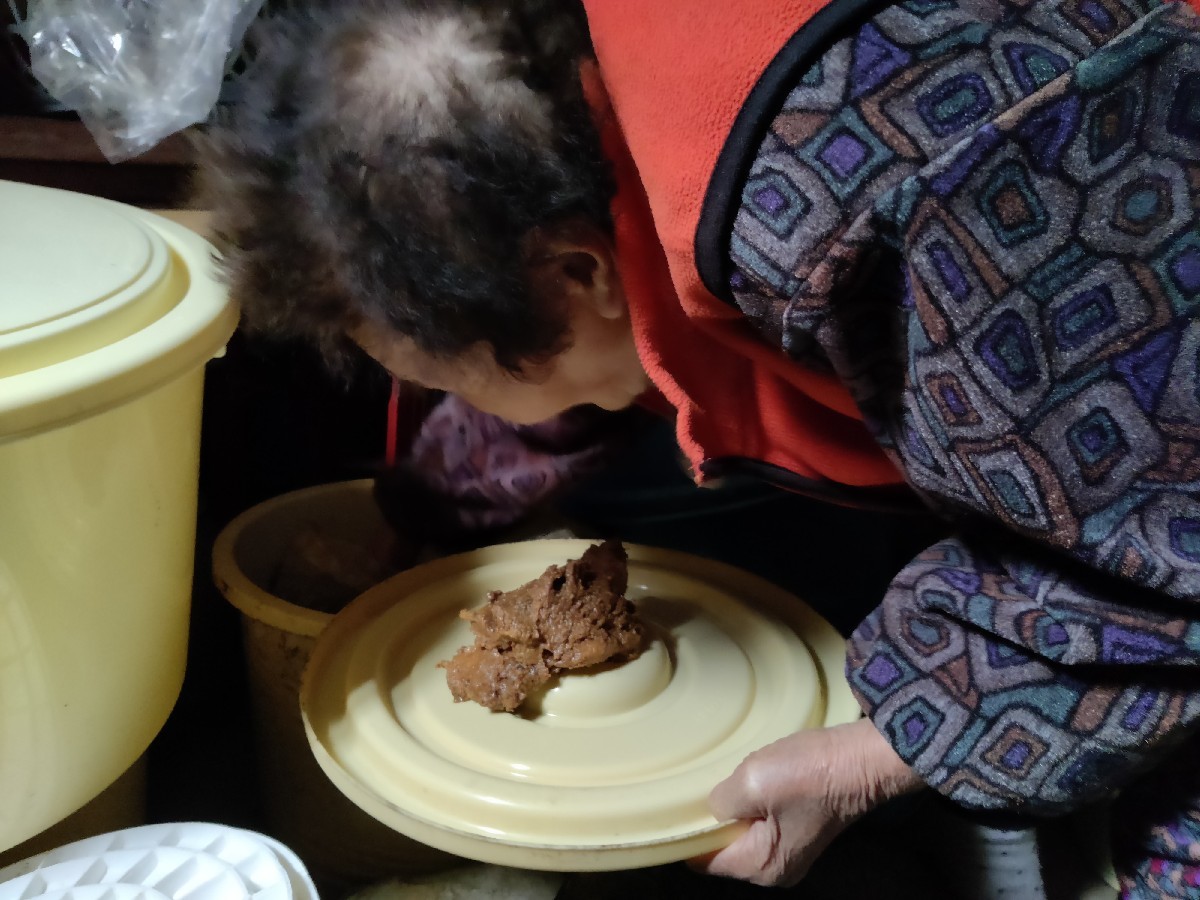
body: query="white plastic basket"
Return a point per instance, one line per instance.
(177, 861)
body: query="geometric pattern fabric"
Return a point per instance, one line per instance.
(982, 217)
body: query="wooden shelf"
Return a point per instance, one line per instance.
(67, 140)
(61, 152)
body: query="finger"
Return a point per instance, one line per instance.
(748, 858)
(729, 833)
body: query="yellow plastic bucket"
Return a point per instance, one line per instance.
(107, 317)
(343, 846)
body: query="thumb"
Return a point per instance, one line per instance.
(736, 798)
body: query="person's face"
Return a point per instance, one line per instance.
(600, 366)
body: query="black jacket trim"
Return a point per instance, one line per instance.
(884, 499)
(720, 205)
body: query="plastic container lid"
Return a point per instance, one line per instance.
(99, 303)
(193, 860)
(608, 769)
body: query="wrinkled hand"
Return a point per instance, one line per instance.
(798, 794)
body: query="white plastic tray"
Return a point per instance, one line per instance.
(178, 861)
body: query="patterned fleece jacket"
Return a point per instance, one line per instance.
(967, 229)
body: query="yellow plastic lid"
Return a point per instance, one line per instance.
(609, 769)
(99, 303)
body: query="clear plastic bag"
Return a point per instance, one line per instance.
(136, 71)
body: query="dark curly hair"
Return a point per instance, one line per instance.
(387, 159)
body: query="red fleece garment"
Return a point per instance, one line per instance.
(672, 106)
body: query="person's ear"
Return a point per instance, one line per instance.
(575, 262)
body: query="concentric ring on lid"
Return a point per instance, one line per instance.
(100, 303)
(610, 768)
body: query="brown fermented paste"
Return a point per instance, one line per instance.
(571, 616)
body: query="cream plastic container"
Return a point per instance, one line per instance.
(107, 317)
